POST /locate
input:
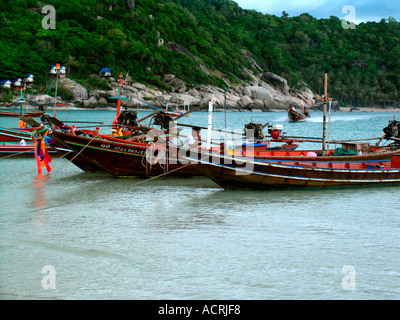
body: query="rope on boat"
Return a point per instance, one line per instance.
(70, 161)
(16, 154)
(383, 150)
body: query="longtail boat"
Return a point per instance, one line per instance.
(344, 150)
(369, 152)
(23, 151)
(32, 114)
(17, 142)
(22, 112)
(123, 153)
(123, 159)
(14, 134)
(296, 115)
(243, 173)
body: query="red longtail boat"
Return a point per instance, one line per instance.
(14, 134)
(123, 158)
(295, 115)
(120, 157)
(32, 114)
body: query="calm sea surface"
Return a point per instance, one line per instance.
(76, 235)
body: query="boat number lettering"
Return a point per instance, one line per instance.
(122, 149)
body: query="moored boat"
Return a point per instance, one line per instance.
(32, 114)
(123, 159)
(24, 151)
(15, 142)
(242, 173)
(14, 134)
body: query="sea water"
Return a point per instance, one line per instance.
(76, 235)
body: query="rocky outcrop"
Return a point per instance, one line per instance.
(276, 81)
(265, 92)
(78, 91)
(42, 99)
(176, 84)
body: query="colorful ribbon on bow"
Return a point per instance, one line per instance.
(39, 137)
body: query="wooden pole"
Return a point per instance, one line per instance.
(193, 125)
(148, 116)
(22, 107)
(210, 115)
(119, 94)
(187, 113)
(324, 116)
(55, 95)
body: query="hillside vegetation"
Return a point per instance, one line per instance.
(201, 42)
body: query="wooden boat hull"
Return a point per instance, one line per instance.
(241, 173)
(17, 151)
(301, 155)
(121, 159)
(296, 116)
(14, 134)
(10, 139)
(18, 114)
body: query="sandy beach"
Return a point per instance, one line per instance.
(370, 109)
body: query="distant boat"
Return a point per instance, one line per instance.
(22, 112)
(296, 115)
(32, 114)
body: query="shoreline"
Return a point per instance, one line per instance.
(369, 109)
(237, 109)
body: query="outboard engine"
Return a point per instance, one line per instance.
(392, 130)
(276, 131)
(128, 118)
(162, 119)
(254, 131)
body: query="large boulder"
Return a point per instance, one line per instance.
(245, 101)
(177, 85)
(90, 103)
(139, 86)
(78, 91)
(185, 100)
(276, 82)
(261, 93)
(194, 93)
(102, 101)
(43, 99)
(305, 95)
(168, 77)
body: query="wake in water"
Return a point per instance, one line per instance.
(342, 117)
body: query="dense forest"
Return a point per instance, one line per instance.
(202, 42)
